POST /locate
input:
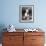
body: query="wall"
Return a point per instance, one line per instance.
(9, 13)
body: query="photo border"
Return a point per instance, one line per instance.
(20, 13)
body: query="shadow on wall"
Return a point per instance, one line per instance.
(2, 26)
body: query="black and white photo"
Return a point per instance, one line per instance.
(26, 13)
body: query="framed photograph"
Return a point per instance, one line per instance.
(26, 13)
